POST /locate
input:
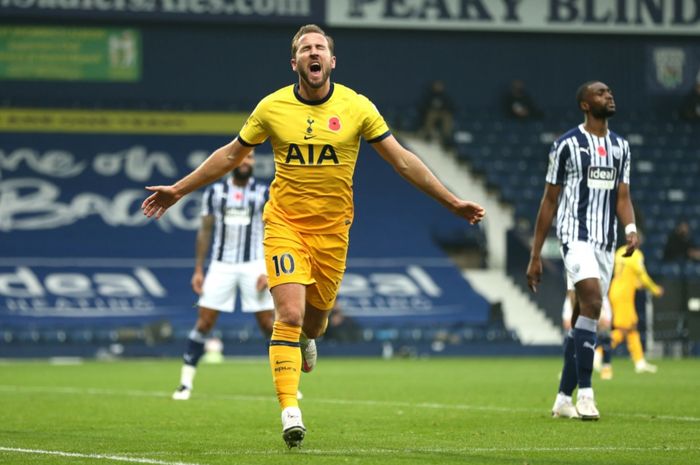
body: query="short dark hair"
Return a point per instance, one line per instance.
(306, 29)
(581, 92)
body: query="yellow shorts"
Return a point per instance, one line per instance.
(624, 312)
(315, 260)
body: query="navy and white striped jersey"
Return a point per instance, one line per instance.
(238, 225)
(589, 169)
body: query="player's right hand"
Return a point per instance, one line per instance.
(163, 197)
(534, 273)
(470, 211)
(197, 281)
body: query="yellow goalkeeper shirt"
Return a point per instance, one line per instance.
(315, 146)
(630, 274)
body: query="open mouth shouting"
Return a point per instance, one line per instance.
(315, 70)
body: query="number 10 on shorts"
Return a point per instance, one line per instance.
(283, 263)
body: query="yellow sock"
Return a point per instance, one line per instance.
(634, 346)
(285, 362)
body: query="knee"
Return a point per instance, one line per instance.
(204, 325)
(265, 322)
(591, 307)
(289, 314)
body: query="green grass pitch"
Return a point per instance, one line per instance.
(357, 411)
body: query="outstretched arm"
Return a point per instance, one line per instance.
(548, 208)
(646, 280)
(223, 160)
(625, 214)
(411, 168)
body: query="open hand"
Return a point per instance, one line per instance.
(471, 211)
(163, 197)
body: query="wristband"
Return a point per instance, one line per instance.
(630, 228)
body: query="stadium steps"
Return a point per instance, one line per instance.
(519, 313)
(460, 180)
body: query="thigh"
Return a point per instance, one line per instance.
(219, 288)
(606, 261)
(287, 257)
(253, 300)
(329, 252)
(589, 297)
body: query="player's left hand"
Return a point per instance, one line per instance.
(470, 211)
(632, 244)
(534, 273)
(261, 285)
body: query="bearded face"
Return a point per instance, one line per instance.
(243, 172)
(313, 60)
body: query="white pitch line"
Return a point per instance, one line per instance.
(117, 458)
(351, 452)
(378, 403)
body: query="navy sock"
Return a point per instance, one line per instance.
(569, 378)
(584, 342)
(194, 349)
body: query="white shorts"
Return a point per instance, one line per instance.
(583, 261)
(224, 279)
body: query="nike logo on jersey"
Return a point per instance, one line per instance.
(279, 362)
(307, 137)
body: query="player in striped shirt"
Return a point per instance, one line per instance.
(587, 187)
(232, 214)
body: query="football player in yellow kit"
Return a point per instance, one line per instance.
(629, 275)
(315, 128)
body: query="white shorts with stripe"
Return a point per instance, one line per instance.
(223, 280)
(582, 261)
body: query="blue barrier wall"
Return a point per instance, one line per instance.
(77, 252)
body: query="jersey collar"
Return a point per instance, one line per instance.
(312, 102)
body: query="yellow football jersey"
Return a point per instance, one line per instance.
(315, 146)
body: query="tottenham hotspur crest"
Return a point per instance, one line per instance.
(309, 130)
